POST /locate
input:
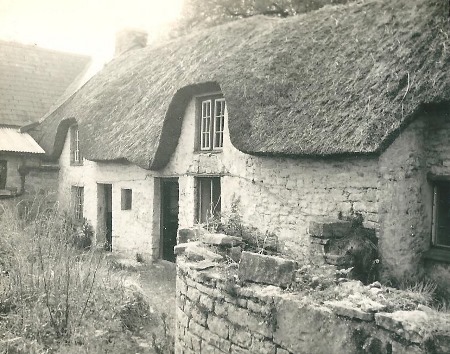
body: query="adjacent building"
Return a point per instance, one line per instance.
(32, 80)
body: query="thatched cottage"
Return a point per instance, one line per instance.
(336, 112)
(32, 80)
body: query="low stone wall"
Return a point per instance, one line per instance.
(217, 314)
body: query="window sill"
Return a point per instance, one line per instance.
(7, 193)
(208, 152)
(438, 254)
(76, 163)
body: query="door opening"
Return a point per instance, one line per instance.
(104, 214)
(169, 217)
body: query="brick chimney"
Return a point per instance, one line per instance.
(129, 39)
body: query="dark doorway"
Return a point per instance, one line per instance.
(104, 212)
(169, 217)
(3, 173)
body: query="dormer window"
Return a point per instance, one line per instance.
(211, 123)
(75, 154)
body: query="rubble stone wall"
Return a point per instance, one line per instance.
(215, 315)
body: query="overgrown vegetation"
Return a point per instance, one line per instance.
(59, 295)
(231, 223)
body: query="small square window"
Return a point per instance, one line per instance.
(211, 123)
(441, 215)
(127, 199)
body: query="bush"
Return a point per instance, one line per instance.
(57, 295)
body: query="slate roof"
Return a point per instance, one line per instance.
(11, 140)
(342, 80)
(32, 79)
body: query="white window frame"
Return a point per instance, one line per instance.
(205, 124)
(211, 123)
(75, 153)
(219, 117)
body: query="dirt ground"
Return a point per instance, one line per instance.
(156, 282)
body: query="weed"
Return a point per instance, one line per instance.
(140, 258)
(55, 296)
(164, 344)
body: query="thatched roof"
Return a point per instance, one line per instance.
(340, 80)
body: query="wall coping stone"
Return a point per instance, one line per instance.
(348, 309)
(411, 325)
(271, 270)
(221, 240)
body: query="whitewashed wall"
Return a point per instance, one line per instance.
(131, 229)
(279, 195)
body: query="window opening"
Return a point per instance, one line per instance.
(209, 198)
(212, 123)
(126, 199)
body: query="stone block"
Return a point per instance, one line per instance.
(282, 351)
(202, 265)
(193, 294)
(238, 350)
(264, 269)
(218, 326)
(188, 234)
(182, 318)
(328, 228)
(221, 240)
(369, 305)
(253, 323)
(411, 325)
(215, 341)
(206, 302)
(258, 308)
(196, 329)
(347, 309)
(235, 253)
(263, 347)
(240, 337)
(221, 309)
(195, 343)
(199, 316)
(308, 329)
(180, 248)
(198, 253)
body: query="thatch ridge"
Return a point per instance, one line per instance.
(337, 81)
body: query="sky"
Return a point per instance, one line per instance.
(82, 26)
